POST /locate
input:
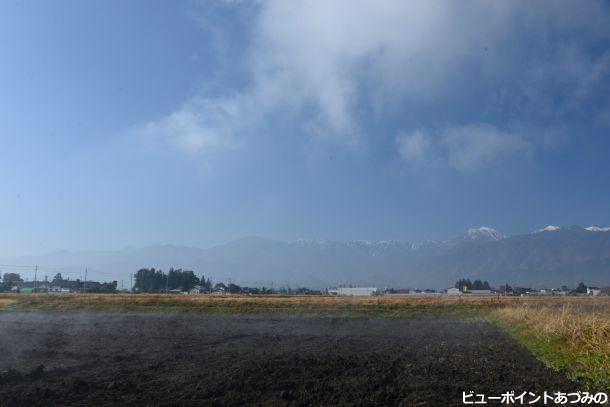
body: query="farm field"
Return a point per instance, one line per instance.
(149, 359)
(183, 350)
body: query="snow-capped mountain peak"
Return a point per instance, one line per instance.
(484, 233)
(598, 229)
(550, 228)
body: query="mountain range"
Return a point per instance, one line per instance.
(551, 256)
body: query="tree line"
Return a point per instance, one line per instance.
(151, 280)
(10, 280)
(465, 284)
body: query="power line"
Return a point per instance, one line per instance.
(75, 268)
(62, 270)
(15, 265)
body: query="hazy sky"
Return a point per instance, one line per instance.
(139, 122)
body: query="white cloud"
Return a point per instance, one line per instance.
(184, 129)
(415, 148)
(463, 147)
(202, 124)
(320, 63)
(472, 146)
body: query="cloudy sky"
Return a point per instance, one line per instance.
(197, 122)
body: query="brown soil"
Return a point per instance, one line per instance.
(186, 360)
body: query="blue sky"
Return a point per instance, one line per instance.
(194, 123)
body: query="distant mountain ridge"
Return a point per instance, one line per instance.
(551, 256)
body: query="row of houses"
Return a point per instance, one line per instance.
(545, 292)
(370, 291)
(64, 286)
(453, 291)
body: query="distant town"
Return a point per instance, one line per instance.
(178, 281)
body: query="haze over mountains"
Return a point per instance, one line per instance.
(551, 256)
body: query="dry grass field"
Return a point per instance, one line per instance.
(317, 305)
(5, 302)
(571, 334)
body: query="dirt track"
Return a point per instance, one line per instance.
(163, 359)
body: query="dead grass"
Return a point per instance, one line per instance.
(5, 302)
(322, 305)
(573, 336)
(302, 305)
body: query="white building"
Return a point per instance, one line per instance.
(453, 291)
(594, 291)
(480, 292)
(57, 289)
(355, 291)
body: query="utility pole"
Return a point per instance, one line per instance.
(85, 284)
(167, 283)
(35, 278)
(131, 276)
